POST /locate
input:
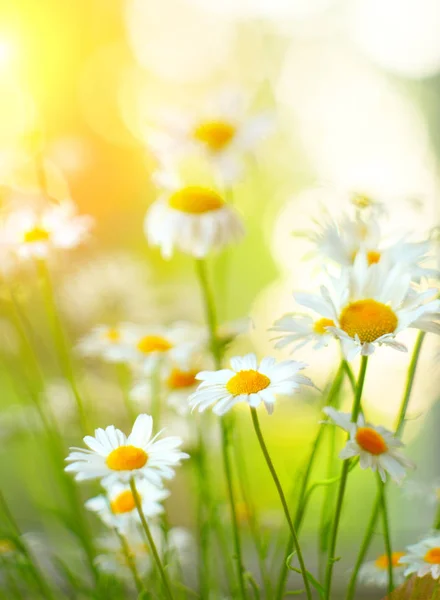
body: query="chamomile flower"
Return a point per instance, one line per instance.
(147, 347)
(34, 234)
(375, 572)
(108, 342)
(377, 448)
(423, 558)
(248, 381)
(116, 457)
(222, 133)
(117, 507)
(370, 306)
(191, 217)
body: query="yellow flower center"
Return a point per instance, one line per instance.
(196, 200)
(126, 458)
(433, 556)
(382, 561)
(216, 135)
(361, 201)
(112, 335)
(181, 379)
(247, 382)
(36, 234)
(6, 546)
(371, 441)
(320, 326)
(153, 343)
(373, 257)
(368, 319)
(123, 503)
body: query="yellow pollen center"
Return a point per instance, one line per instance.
(433, 556)
(247, 382)
(153, 343)
(6, 546)
(126, 458)
(368, 319)
(181, 379)
(216, 135)
(382, 561)
(196, 200)
(123, 503)
(371, 441)
(320, 326)
(373, 257)
(36, 234)
(112, 335)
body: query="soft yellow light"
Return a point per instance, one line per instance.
(6, 54)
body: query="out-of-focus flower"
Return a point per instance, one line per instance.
(191, 217)
(427, 493)
(117, 508)
(376, 447)
(423, 558)
(148, 347)
(34, 234)
(249, 382)
(375, 572)
(7, 547)
(114, 457)
(370, 305)
(222, 133)
(108, 342)
(300, 330)
(341, 241)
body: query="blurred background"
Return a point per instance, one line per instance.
(354, 89)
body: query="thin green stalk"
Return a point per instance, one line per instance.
(38, 576)
(300, 510)
(400, 424)
(162, 572)
(203, 507)
(437, 519)
(277, 482)
(131, 563)
(60, 341)
(342, 484)
(386, 532)
(123, 376)
(211, 319)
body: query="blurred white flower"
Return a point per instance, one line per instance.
(375, 572)
(29, 233)
(376, 447)
(107, 342)
(423, 558)
(222, 132)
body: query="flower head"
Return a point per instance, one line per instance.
(375, 572)
(300, 330)
(377, 447)
(29, 233)
(191, 217)
(117, 507)
(370, 306)
(115, 457)
(246, 381)
(423, 558)
(108, 342)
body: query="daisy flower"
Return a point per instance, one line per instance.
(222, 133)
(246, 381)
(146, 347)
(341, 241)
(375, 572)
(370, 306)
(191, 217)
(117, 507)
(376, 446)
(30, 233)
(115, 457)
(423, 558)
(108, 342)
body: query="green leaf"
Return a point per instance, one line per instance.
(318, 587)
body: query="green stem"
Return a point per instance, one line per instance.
(386, 532)
(277, 482)
(123, 376)
(342, 484)
(400, 424)
(38, 576)
(211, 319)
(203, 509)
(131, 563)
(300, 510)
(147, 531)
(437, 519)
(60, 340)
